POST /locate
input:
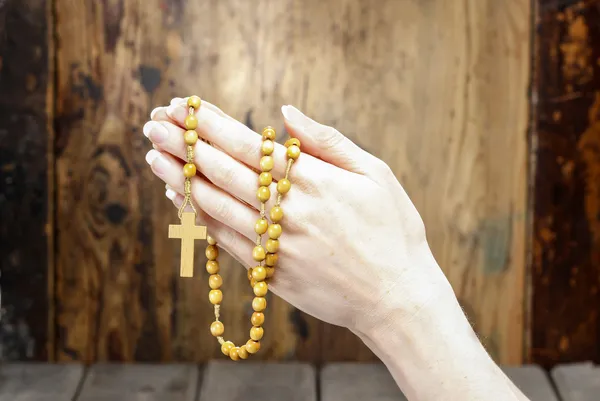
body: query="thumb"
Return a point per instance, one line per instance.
(325, 142)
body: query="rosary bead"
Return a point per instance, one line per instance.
(226, 347)
(189, 170)
(217, 329)
(267, 147)
(272, 245)
(190, 137)
(283, 186)
(258, 253)
(257, 319)
(270, 271)
(233, 354)
(259, 304)
(194, 101)
(252, 346)
(257, 333)
(268, 133)
(250, 274)
(261, 226)
(212, 267)
(259, 273)
(252, 282)
(261, 288)
(265, 179)
(274, 231)
(292, 141)
(242, 352)
(271, 259)
(215, 281)
(293, 152)
(215, 297)
(212, 252)
(263, 194)
(276, 214)
(210, 240)
(266, 163)
(191, 122)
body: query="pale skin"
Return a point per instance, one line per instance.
(353, 251)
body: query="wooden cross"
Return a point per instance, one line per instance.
(188, 231)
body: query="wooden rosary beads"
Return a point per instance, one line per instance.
(266, 257)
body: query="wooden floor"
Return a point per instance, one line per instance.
(223, 381)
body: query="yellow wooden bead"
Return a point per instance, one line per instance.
(212, 252)
(267, 147)
(252, 282)
(190, 137)
(265, 179)
(257, 333)
(257, 319)
(261, 288)
(292, 141)
(271, 259)
(194, 101)
(226, 347)
(258, 254)
(252, 346)
(259, 273)
(293, 152)
(189, 170)
(274, 231)
(261, 226)
(259, 304)
(276, 214)
(263, 194)
(242, 352)
(266, 163)
(270, 272)
(217, 329)
(283, 186)
(212, 267)
(233, 354)
(268, 133)
(272, 245)
(249, 274)
(215, 281)
(211, 240)
(215, 297)
(191, 122)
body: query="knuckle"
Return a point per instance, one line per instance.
(328, 137)
(223, 176)
(222, 211)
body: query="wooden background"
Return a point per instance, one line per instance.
(485, 110)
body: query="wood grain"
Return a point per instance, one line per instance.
(566, 211)
(577, 381)
(39, 382)
(26, 162)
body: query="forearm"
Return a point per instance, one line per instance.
(435, 355)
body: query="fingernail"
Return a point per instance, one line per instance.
(156, 132)
(172, 109)
(170, 194)
(156, 161)
(295, 116)
(153, 112)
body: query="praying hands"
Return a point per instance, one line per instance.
(353, 250)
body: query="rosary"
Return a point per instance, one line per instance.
(266, 257)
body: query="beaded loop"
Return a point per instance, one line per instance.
(266, 257)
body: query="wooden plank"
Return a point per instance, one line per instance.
(118, 382)
(26, 171)
(39, 382)
(249, 381)
(566, 205)
(357, 382)
(437, 89)
(532, 381)
(577, 382)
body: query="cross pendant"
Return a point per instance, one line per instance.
(188, 231)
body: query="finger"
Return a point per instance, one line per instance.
(220, 168)
(228, 239)
(237, 140)
(216, 203)
(326, 142)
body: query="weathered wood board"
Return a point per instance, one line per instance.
(39, 382)
(577, 382)
(566, 135)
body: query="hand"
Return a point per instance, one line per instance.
(352, 240)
